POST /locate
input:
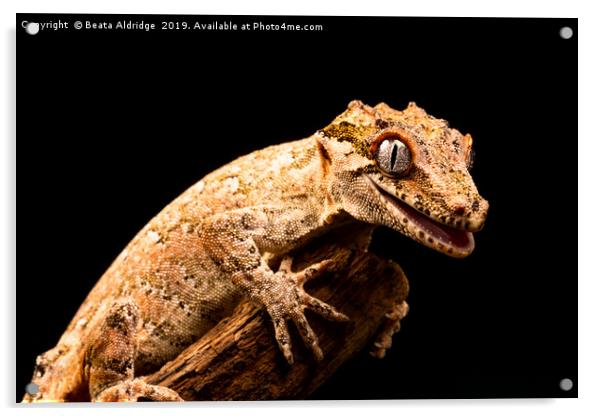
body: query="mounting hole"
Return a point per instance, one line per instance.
(32, 28)
(32, 388)
(566, 32)
(566, 384)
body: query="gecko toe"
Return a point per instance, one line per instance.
(284, 339)
(313, 271)
(384, 339)
(323, 309)
(308, 335)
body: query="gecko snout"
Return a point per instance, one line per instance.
(478, 215)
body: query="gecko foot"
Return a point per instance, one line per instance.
(385, 338)
(287, 301)
(137, 390)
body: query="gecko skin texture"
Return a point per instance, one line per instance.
(229, 236)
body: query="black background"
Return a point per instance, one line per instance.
(112, 125)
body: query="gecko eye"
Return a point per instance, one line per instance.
(393, 157)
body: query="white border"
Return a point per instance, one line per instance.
(590, 191)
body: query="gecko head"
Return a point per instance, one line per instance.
(405, 170)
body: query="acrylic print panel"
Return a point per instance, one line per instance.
(119, 115)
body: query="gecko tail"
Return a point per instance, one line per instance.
(54, 378)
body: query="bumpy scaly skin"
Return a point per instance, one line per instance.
(192, 263)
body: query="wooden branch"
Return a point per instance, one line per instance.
(239, 359)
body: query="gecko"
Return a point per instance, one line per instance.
(230, 235)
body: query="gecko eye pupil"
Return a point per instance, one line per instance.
(393, 157)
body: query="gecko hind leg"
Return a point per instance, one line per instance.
(109, 362)
(384, 339)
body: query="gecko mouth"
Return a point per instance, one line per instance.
(441, 237)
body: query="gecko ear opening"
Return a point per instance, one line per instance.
(323, 150)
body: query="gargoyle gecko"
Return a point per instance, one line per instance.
(214, 244)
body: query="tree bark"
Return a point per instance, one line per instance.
(239, 359)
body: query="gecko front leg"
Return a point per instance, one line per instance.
(284, 299)
(235, 250)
